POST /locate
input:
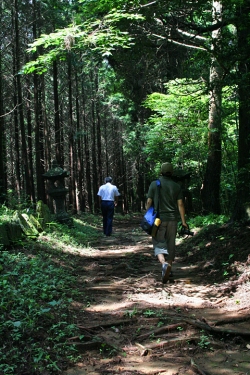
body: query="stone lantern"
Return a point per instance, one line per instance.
(57, 190)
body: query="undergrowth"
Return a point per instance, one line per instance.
(38, 286)
(200, 221)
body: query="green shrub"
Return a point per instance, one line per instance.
(201, 221)
(34, 321)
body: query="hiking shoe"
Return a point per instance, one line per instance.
(166, 269)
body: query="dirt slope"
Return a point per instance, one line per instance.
(198, 323)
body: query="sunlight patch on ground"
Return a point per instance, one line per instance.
(165, 298)
(144, 367)
(110, 307)
(159, 299)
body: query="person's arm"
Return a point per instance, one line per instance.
(181, 208)
(149, 203)
(100, 194)
(116, 195)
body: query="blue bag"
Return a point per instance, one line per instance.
(148, 220)
(151, 214)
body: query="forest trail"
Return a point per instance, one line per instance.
(132, 324)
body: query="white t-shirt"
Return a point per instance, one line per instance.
(108, 192)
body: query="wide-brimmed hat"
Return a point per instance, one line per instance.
(167, 168)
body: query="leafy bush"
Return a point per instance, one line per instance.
(201, 221)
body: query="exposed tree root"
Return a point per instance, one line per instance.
(207, 327)
(196, 368)
(232, 320)
(107, 324)
(164, 329)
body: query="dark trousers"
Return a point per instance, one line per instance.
(108, 208)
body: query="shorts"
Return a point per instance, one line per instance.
(164, 242)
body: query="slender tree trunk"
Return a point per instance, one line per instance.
(94, 79)
(211, 185)
(3, 179)
(25, 163)
(88, 186)
(39, 140)
(16, 125)
(29, 116)
(124, 197)
(29, 142)
(46, 131)
(99, 146)
(57, 115)
(72, 191)
(38, 120)
(106, 148)
(79, 171)
(88, 169)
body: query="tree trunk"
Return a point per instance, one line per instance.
(56, 115)
(124, 198)
(210, 193)
(46, 132)
(72, 191)
(88, 188)
(106, 165)
(16, 125)
(94, 79)
(242, 207)
(29, 141)
(99, 145)
(3, 179)
(38, 121)
(79, 172)
(27, 181)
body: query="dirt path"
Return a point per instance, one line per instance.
(132, 324)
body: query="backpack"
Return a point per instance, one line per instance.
(151, 214)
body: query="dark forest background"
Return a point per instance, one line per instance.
(119, 87)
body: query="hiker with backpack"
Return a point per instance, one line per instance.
(171, 206)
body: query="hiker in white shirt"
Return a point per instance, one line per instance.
(108, 198)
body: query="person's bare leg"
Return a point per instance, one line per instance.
(166, 267)
(161, 258)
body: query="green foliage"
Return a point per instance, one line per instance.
(101, 35)
(34, 321)
(203, 221)
(38, 285)
(229, 147)
(149, 313)
(83, 228)
(5, 213)
(17, 203)
(78, 235)
(177, 129)
(205, 341)
(132, 313)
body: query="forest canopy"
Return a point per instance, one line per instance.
(117, 88)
